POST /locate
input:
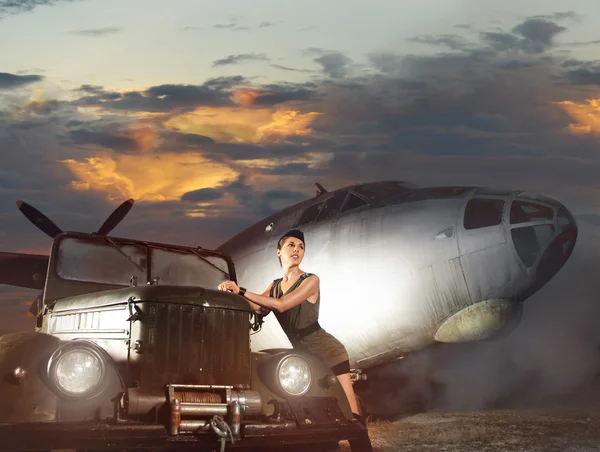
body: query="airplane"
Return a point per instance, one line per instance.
(402, 267)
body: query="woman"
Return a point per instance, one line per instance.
(294, 299)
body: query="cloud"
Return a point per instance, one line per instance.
(266, 24)
(202, 195)
(97, 32)
(453, 42)
(12, 7)
(9, 81)
(285, 68)
(538, 33)
(239, 58)
(481, 110)
(225, 26)
(163, 98)
(334, 64)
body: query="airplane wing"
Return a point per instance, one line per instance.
(23, 270)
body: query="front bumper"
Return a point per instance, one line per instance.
(88, 435)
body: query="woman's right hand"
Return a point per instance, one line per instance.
(230, 286)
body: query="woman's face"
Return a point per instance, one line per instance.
(292, 251)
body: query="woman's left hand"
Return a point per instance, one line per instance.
(229, 285)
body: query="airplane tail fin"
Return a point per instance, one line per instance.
(320, 189)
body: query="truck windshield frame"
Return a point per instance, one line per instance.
(114, 261)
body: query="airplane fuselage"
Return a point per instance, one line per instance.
(403, 268)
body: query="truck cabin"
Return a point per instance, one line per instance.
(85, 263)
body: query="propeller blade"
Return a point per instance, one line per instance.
(43, 223)
(115, 218)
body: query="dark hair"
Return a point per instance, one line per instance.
(296, 233)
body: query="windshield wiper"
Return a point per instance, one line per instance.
(197, 253)
(118, 248)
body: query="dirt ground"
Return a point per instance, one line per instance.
(561, 429)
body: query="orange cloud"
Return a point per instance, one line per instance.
(166, 176)
(147, 177)
(146, 138)
(245, 97)
(242, 125)
(586, 114)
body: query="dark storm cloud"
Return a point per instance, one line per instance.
(9, 81)
(291, 169)
(538, 33)
(334, 64)
(163, 98)
(10, 7)
(240, 58)
(581, 72)
(261, 203)
(242, 151)
(97, 32)
(202, 195)
(278, 93)
(112, 140)
(534, 35)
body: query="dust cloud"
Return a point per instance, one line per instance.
(552, 357)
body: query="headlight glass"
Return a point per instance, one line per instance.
(294, 375)
(77, 371)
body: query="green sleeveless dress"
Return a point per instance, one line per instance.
(301, 326)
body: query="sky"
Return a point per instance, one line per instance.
(212, 115)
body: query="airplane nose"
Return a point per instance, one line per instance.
(560, 249)
(536, 227)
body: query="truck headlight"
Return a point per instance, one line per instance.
(294, 375)
(77, 370)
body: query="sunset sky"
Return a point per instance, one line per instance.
(213, 115)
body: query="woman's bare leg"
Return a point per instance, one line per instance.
(346, 383)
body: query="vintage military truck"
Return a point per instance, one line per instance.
(136, 348)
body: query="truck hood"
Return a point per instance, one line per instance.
(196, 296)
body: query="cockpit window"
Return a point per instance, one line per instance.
(483, 212)
(310, 214)
(333, 206)
(529, 240)
(422, 194)
(381, 190)
(354, 202)
(524, 212)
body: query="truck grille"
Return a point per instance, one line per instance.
(186, 344)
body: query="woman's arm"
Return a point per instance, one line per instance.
(307, 288)
(254, 306)
(230, 285)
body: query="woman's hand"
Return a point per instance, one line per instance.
(229, 285)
